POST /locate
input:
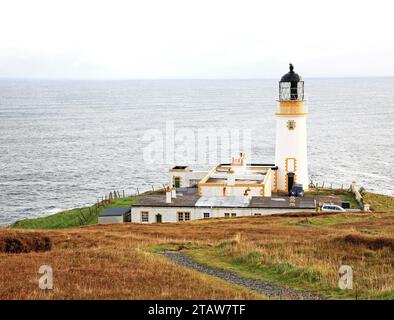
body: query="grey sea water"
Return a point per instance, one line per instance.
(65, 143)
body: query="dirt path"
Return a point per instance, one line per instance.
(265, 287)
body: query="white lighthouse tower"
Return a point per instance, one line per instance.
(291, 145)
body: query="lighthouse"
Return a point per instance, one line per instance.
(291, 142)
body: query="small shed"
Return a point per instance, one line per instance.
(115, 215)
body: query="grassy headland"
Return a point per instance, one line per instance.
(115, 261)
(73, 218)
(379, 202)
(89, 215)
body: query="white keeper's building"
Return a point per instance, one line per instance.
(240, 188)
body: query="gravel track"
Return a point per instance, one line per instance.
(265, 287)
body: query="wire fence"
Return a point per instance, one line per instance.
(323, 185)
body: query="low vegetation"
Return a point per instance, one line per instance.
(303, 251)
(333, 195)
(308, 254)
(89, 215)
(379, 202)
(75, 217)
(24, 243)
(107, 262)
(119, 262)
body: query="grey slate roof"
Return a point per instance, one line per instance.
(281, 202)
(114, 212)
(159, 200)
(194, 200)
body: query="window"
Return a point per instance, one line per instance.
(233, 214)
(291, 164)
(144, 216)
(180, 216)
(206, 215)
(187, 216)
(226, 214)
(291, 124)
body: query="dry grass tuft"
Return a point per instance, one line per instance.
(373, 243)
(24, 243)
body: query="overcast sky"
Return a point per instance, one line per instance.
(195, 39)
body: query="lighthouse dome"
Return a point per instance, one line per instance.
(291, 76)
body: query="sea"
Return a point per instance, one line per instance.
(67, 143)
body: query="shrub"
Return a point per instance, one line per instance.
(24, 243)
(369, 242)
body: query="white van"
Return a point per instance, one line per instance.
(332, 208)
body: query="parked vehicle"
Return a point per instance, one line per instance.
(332, 208)
(297, 190)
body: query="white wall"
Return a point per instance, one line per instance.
(169, 214)
(211, 191)
(291, 144)
(111, 219)
(186, 176)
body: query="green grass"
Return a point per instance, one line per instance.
(249, 265)
(329, 220)
(72, 218)
(379, 202)
(348, 196)
(344, 195)
(284, 274)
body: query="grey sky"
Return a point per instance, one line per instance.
(195, 39)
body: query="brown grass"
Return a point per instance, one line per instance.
(110, 262)
(23, 243)
(367, 241)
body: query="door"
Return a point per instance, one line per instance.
(177, 182)
(290, 181)
(158, 218)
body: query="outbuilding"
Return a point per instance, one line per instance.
(115, 215)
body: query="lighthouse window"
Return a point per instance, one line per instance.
(291, 124)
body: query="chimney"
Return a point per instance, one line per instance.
(173, 192)
(230, 177)
(168, 195)
(247, 196)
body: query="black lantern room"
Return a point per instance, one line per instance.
(291, 86)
